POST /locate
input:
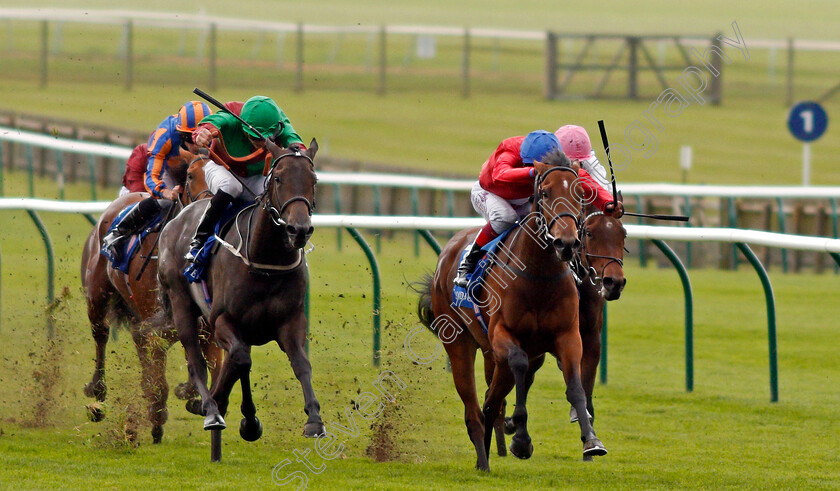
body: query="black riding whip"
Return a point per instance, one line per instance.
(676, 218)
(215, 102)
(609, 160)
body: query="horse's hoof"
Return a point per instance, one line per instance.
(594, 447)
(501, 450)
(314, 430)
(157, 434)
(521, 448)
(510, 428)
(95, 412)
(588, 458)
(194, 406)
(186, 391)
(250, 432)
(214, 422)
(96, 389)
(483, 468)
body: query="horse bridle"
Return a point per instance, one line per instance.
(592, 275)
(187, 185)
(541, 221)
(275, 214)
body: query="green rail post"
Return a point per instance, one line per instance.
(733, 223)
(688, 254)
(59, 164)
(771, 318)
(689, 311)
(602, 370)
(30, 162)
(337, 197)
(377, 210)
(640, 207)
(92, 165)
(832, 201)
(90, 218)
(430, 239)
(836, 258)
(377, 292)
(415, 209)
(50, 266)
(781, 216)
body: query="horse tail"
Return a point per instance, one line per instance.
(118, 312)
(423, 287)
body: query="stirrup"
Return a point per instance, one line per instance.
(195, 250)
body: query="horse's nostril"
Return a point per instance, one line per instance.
(310, 231)
(623, 282)
(577, 243)
(608, 282)
(291, 230)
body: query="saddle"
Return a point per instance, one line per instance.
(128, 247)
(466, 297)
(197, 271)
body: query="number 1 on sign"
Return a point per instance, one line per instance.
(807, 120)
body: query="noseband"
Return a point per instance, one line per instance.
(275, 214)
(592, 274)
(541, 221)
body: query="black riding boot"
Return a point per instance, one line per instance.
(218, 204)
(135, 220)
(468, 264)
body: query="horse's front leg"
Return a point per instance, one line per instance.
(568, 349)
(236, 366)
(291, 338)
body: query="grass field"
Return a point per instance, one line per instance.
(724, 434)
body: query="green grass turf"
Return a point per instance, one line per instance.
(724, 434)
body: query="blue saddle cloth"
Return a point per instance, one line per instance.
(197, 271)
(128, 248)
(465, 297)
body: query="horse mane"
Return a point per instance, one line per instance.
(556, 158)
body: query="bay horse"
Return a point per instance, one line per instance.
(257, 289)
(529, 303)
(114, 296)
(600, 269)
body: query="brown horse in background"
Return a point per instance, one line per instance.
(113, 296)
(528, 301)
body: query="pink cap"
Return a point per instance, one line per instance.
(574, 141)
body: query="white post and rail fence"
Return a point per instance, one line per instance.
(424, 225)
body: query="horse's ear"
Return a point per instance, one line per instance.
(313, 149)
(576, 166)
(541, 168)
(620, 198)
(273, 148)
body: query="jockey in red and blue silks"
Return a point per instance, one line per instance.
(165, 143)
(506, 183)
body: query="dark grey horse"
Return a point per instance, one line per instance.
(257, 286)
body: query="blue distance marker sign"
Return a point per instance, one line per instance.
(807, 121)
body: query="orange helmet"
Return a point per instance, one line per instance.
(190, 115)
